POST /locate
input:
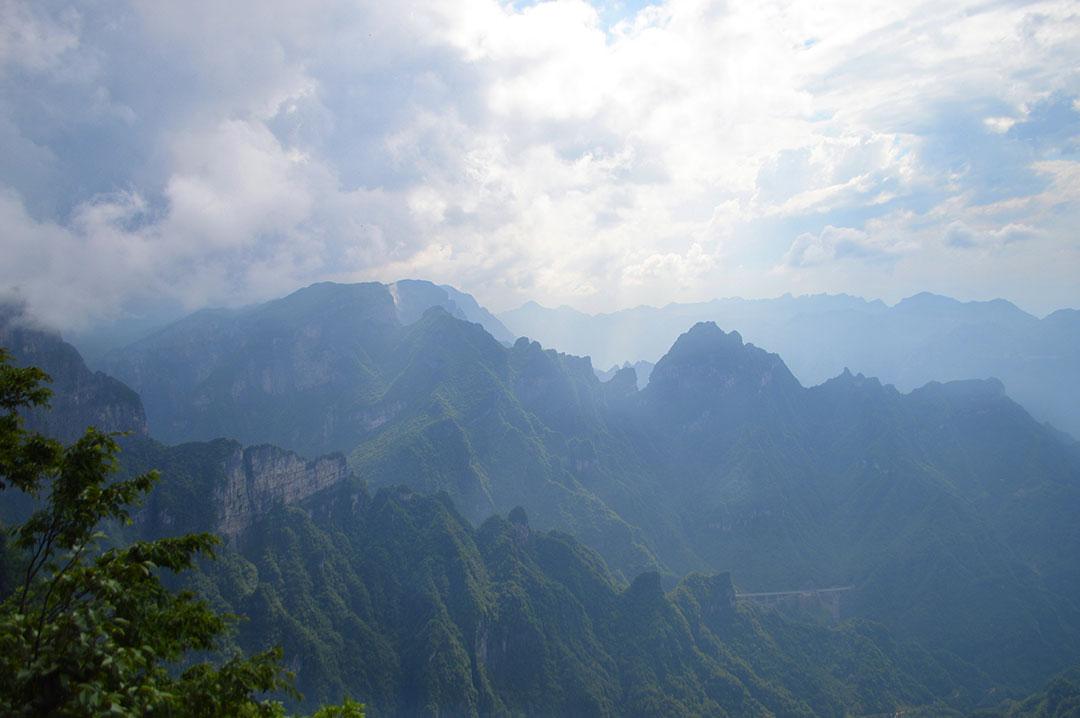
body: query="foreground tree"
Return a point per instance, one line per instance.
(90, 631)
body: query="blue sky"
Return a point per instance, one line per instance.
(168, 156)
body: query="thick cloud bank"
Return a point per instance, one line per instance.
(597, 155)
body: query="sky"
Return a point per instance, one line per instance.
(165, 156)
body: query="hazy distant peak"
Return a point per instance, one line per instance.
(527, 344)
(962, 389)
(938, 302)
(1063, 317)
(624, 380)
(708, 368)
(848, 380)
(927, 300)
(437, 312)
(412, 297)
(708, 337)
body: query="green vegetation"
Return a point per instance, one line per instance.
(89, 630)
(949, 509)
(394, 596)
(1059, 699)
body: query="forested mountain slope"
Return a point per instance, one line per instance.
(81, 397)
(920, 339)
(394, 597)
(948, 509)
(916, 499)
(296, 371)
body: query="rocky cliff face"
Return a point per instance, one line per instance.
(81, 397)
(259, 477)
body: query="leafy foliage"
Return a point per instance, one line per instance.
(89, 629)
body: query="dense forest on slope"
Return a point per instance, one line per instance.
(308, 365)
(87, 626)
(1060, 698)
(393, 596)
(948, 510)
(920, 339)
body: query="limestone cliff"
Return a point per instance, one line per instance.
(259, 477)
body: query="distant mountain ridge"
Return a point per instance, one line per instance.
(642, 372)
(723, 462)
(923, 338)
(413, 297)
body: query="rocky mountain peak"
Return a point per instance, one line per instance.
(707, 366)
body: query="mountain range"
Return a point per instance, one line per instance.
(920, 339)
(948, 512)
(724, 462)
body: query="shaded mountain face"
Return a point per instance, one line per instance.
(81, 397)
(437, 403)
(948, 508)
(295, 372)
(710, 381)
(222, 487)
(394, 597)
(1060, 698)
(921, 339)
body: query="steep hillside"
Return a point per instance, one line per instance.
(931, 503)
(948, 509)
(81, 397)
(297, 372)
(394, 597)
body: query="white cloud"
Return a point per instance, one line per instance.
(241, 149)
(234, 184)
(845, 243)
(33, 41)
(1000, 125)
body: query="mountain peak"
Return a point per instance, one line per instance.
(927, 300)
(413, 297)
(708, 368)
(849, 378)
(706, 337)
(962, 390)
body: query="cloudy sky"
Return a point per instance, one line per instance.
(165, 155)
